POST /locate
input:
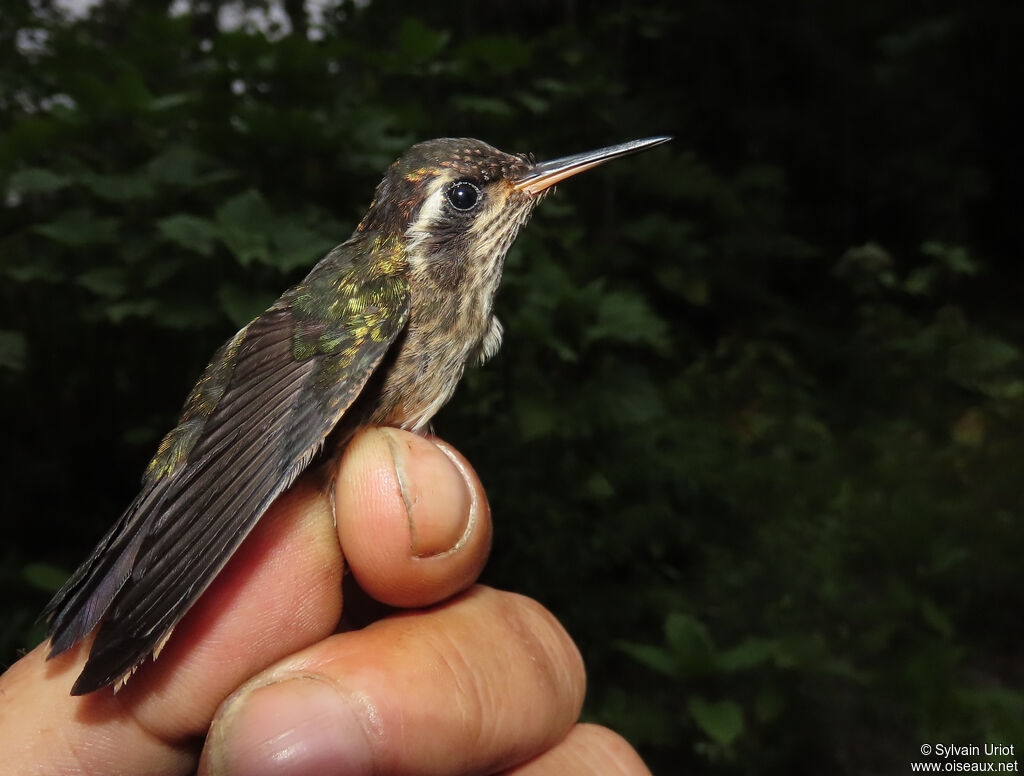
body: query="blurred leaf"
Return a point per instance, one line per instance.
(185, 314)
(245, 222)
(118, 188)
(921, 282)
(118, 312)
(171, 101)
(722, 721)
(13, 350)
(533, 103)
(954, 257)
(655, 658)
(183, 165)
(77, 228)
(36, 180)
(488, 106)
(599, 486)
(969, 428)
(936, 619)
(749, 653)
(419, 41)
(625, 317)
(986, 364)
(44, 268)
(105, 281)
(535, 419)
(191, 232)
(690, 643)
(499, 54)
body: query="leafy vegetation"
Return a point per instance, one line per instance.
(755, 432)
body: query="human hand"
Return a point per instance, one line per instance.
(255, 681)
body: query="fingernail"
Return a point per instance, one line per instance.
(296, 726)
(439, 501)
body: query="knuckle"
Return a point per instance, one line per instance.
(553, 656)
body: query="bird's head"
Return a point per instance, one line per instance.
(458, 203)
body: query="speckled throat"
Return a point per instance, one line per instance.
(455, 268)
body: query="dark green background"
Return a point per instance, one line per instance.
(755, 435)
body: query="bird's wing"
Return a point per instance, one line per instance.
(258, 415)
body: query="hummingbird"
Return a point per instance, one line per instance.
(379, 332)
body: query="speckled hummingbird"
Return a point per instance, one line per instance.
(379, 332)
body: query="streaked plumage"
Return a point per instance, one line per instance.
(378, 332)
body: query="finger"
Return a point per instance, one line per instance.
(478, 684)
(280, 593)
(588, 750)
(412, 517)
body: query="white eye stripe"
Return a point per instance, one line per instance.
(428, 214)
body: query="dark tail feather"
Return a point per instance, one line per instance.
(110, 661)
(78, 606)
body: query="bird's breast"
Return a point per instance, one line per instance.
(431, 358)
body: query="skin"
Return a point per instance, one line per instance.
(256, 681)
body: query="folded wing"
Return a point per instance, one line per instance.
(258, 415)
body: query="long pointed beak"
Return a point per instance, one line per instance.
(546, 174)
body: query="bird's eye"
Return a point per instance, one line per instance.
(463, 196)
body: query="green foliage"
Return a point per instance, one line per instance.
(754, 432)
